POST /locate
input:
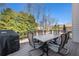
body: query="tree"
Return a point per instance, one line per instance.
(20, 22)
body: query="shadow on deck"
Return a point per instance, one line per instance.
(25, 47)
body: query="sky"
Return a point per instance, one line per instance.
(60, 11)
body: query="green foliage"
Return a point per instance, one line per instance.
(55, 28)
(20, 22)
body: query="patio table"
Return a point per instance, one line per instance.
(45, 39)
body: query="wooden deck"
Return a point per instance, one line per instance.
(25, 47)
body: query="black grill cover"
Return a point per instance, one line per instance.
(9, 42)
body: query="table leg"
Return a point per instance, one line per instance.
(45, 48)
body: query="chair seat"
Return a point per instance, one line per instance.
(57, 42)
(60, 47)
(71, 35)
(53, 47)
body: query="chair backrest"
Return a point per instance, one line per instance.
(30, 38)
(64, 40)
(50, 31)
(34, 33)
(67, 36)
(40, 32)
(44, 31)
(55, 32)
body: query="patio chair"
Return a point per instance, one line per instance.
(60, 48)
(40, 32)
(50, 31)
(36, 46)
(34, 33)
(69, 34)
(55, 40)
(44, 31)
